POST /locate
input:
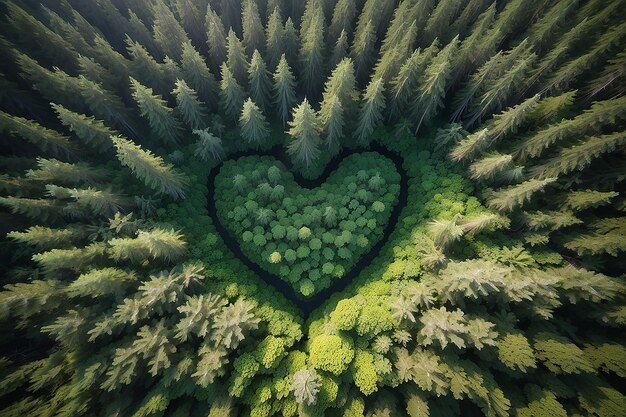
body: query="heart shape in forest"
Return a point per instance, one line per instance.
(308, 234)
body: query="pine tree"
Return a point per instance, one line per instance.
(254, 127)
(145, 68)
(490, 166)
(406, 81)
(590, 121)
(304, 146)
(498, 92)
(292, 41)
(275, 39)
(342, 85)
(259, 82)
(149, 244)
(55, 171)
(197, 74)
(192, 111)
(284, 90)
(208, 146)
(342, 20)
(440, 20)
(432, 87)
(579, 156)
(312, 55)
(168, 33)
(372, 107)
(162, 122)
(340, 50)
(231, 94)
(149, 168)
(362, 51)
(46, 139)
(390, 62)
(510, 198)
(611, 79)
(216, 38)
(333, 123)
(236, 58)
(253, 34)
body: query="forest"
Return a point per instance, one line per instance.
(341, 208)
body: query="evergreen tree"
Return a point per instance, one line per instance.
(46, 139)
(192, 111)
(197, 74)
(254, 127)
(432, 88)
(340, 50)
(236, 58)
(253, 34)
(342, 84)
(168, 33)
(259, 82)
(342, 20)
(510, 198)
(333, 123)
(406, 81)
(292, 41)
(275, 39)
(304, 145)
(162, 122)
(312, 55)
(208, 146)
(231, 94)
(145, 68)
(216, 38)
(440, 20)
(362, 51)
(149, 168)
(284, 90)
(390, 62)
(90, 130)
(372, 106)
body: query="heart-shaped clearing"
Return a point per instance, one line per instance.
(308, 237)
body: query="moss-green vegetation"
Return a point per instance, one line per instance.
(486, 271)
(307, 237)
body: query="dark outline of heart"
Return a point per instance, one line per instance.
(310, 304)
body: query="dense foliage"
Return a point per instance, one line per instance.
(308, 238)
(498, 287)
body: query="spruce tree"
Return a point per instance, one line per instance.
(333, 122)
(275, 39)
(312, 55)
(292, 41)
(216, 38)
(254, 127)
(197, 74)
(362, 51)
(189, 107)
(88, 129)
(149, 168)
(342, 20)
(253, 34)
(168, 33)
(160, 118)
(432, 88)
(284, 90)
(208, 146)
(305, 139)
(259, 82)
(46, 139)
(236, 58)
(231, 94)
(407, 79)
(340, 50)
(145, 68)
(372, 106)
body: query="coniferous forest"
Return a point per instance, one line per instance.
(342, 208)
